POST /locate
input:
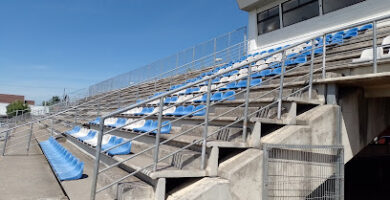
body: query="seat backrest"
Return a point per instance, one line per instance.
(229, 95)
(386, 40)
(189, 108)
(148, 122)
(174, 99)
(216, 96)
(179, 109)
(256, 81)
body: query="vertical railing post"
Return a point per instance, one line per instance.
(374, 47)
(247, 94)
(52, 127)
(97, 159)
(29, 137)
(206, 124)
(157, 142)
(229, 54)
(215, 51)
(311, 69)
(265, 173)
(324, 57)
(5, 142)
(280, 98)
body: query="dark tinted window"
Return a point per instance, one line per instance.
(268, 20)
(295, 11)
(332, 5)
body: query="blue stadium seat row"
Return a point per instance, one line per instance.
(89, 136)
(65, 165)
(150, 125)
(186, 110)
(217, 96)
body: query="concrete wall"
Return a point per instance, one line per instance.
(314, 26)
(363, 118)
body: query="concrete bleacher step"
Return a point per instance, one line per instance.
(284, 130)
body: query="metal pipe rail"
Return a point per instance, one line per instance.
(209, 104)
(161, 98)
(111, 93)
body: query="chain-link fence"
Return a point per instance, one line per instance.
(303, 172)
(221, 49)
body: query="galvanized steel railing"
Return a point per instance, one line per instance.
(243, 119)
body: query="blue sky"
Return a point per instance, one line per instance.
(49, 45)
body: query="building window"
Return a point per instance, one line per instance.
(295, 11)
(332, 5)
(268, 20)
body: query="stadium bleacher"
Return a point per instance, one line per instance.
(184, 111)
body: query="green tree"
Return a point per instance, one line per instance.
(52, 101)
(16, 108)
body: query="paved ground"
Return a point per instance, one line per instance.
(29, 176)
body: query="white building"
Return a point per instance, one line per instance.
(281, 22)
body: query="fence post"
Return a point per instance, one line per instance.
(281, 85)
(324, 57)
(5, 141)
(265, 173)
(311, 69)
(374, 47)
(247, 94)
(52, 128)
(157, 144)
(206, 121)
(97, 159)
(229, 38)
(215, 51)
(29, 137)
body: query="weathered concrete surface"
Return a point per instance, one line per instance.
(244, 172)
(363, 118)
(204, 189)
(28, 177)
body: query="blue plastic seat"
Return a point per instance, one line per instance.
(203, 99)
(166, 127)
(228, 86)
(120, 122)
(256, 82)
(178, 112)
(74, 130)
(195, 89)
(146, 127)
(167, 100)
(201, 112)
(64, 164)
(91, 134)
(300, 59)
(189, 109)
(276, 71)
(256, 75)
(144, 109)
(173, 99)
(229, 96)
(351, 33)
(216, 96)
(122, 149)
(366, 27)
(216, 80)
(109, 144)
(265, 72)
(241, 84)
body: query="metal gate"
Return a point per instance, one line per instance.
(303, 172)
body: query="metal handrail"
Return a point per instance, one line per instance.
(117, 91)
(209, 79)
(169, 93)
